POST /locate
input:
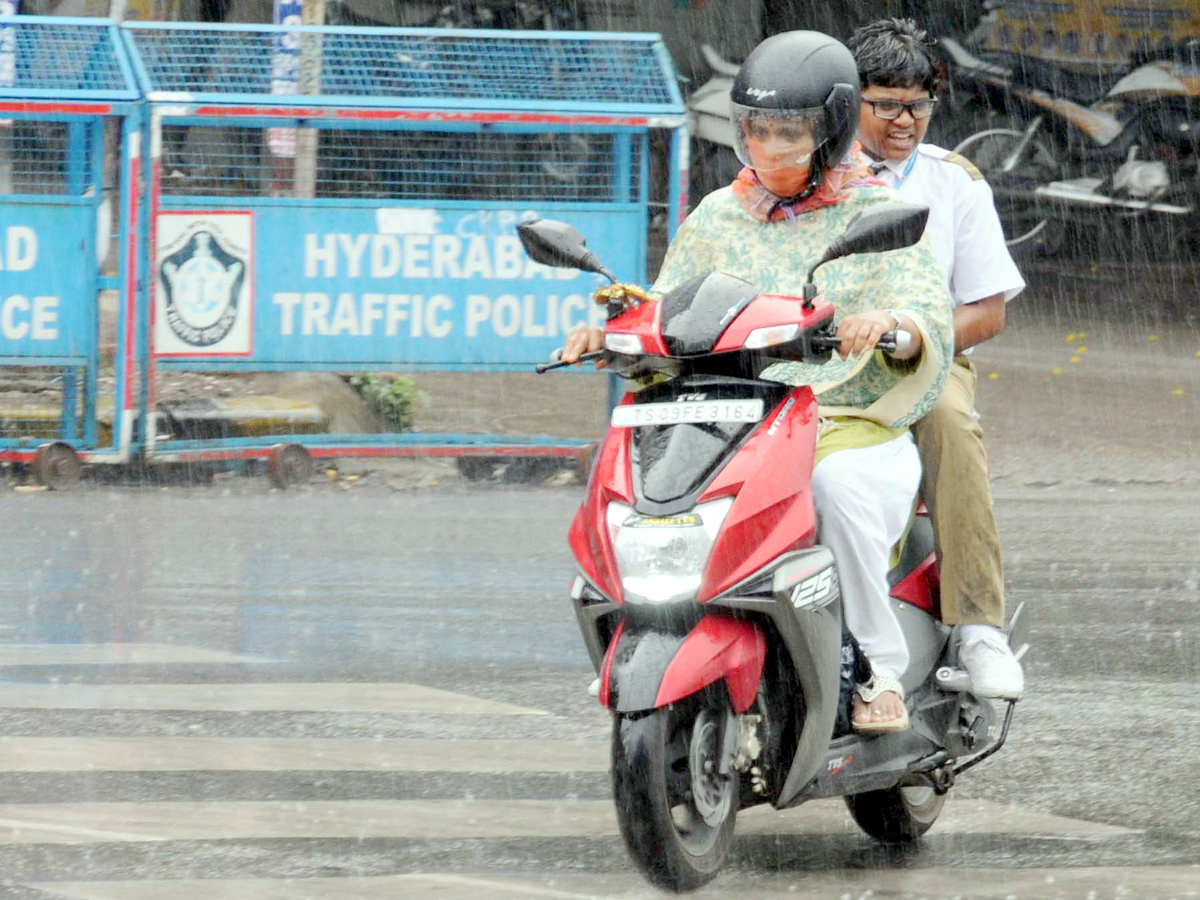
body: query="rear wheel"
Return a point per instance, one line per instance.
(675, 810)
(1029, 229)
(898, 815)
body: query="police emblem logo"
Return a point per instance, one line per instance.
(204, 273)
(202, 281)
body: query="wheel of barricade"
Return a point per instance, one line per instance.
(57, 466)
(477, 468)
(289, 465)
(531, 469)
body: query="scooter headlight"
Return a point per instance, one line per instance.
(662, 559)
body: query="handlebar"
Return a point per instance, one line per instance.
(891, 342)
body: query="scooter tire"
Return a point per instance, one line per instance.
(898, 815)
(650, 793)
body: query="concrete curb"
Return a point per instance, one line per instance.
(225, 417)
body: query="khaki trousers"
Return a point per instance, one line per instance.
(957, 491)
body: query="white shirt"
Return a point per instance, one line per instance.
(963, 228)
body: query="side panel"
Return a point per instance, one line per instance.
(588, 535)
(926, 638)
(921, 587)
(813, 638)
(773, 512)
(915, 579)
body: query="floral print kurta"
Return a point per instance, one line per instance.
(775, 257)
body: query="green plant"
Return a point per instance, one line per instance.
(394, 398)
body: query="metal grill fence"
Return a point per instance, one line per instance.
(540, 166)
(56, 58)
(424, 66)
(332, 199)
(42, 403)
(35, 157)
(67, 131)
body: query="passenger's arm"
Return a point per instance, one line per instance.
(976, 322)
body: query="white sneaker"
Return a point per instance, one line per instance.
(994, 671)
(594, 688)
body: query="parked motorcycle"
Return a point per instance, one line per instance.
(1069, 146)
(520, 16)
(567, 159)
(714, 161)
(707, 605)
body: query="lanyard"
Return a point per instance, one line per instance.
(912, 161)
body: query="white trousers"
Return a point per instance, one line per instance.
(864, 498)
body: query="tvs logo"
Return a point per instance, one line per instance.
(204, 276)
(838, 764)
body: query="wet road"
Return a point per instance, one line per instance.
(376, 689)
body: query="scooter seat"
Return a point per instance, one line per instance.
(1084, 88)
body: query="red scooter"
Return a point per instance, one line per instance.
(710, 611)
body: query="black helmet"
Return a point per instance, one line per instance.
(803, 76)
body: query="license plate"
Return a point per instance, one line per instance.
(635, 415)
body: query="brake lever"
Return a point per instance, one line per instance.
(542, 368)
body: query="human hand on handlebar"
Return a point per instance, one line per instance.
(861, 332)
(583, 339)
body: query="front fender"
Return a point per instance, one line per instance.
(648, 667)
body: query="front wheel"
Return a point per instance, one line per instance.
(675, 810)
(898, 815)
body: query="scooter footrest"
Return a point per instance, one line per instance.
(953, 679)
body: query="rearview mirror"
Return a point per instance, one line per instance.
(889, 227)
(883, 228)
(559, 245)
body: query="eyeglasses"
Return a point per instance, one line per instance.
(891, 109)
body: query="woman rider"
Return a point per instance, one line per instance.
(795, 107)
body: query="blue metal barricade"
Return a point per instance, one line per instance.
(346, 200)
(70, 134)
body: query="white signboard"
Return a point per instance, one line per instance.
(204, 284)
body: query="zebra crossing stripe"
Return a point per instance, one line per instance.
(1069, 883)
(432, 886)
(197, 754)
(70, 823)
(290, 697)
(133, 654)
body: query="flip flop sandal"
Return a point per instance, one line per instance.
(867, 692)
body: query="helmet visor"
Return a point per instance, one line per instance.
(768, 140)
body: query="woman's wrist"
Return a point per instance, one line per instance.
(905, 323)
